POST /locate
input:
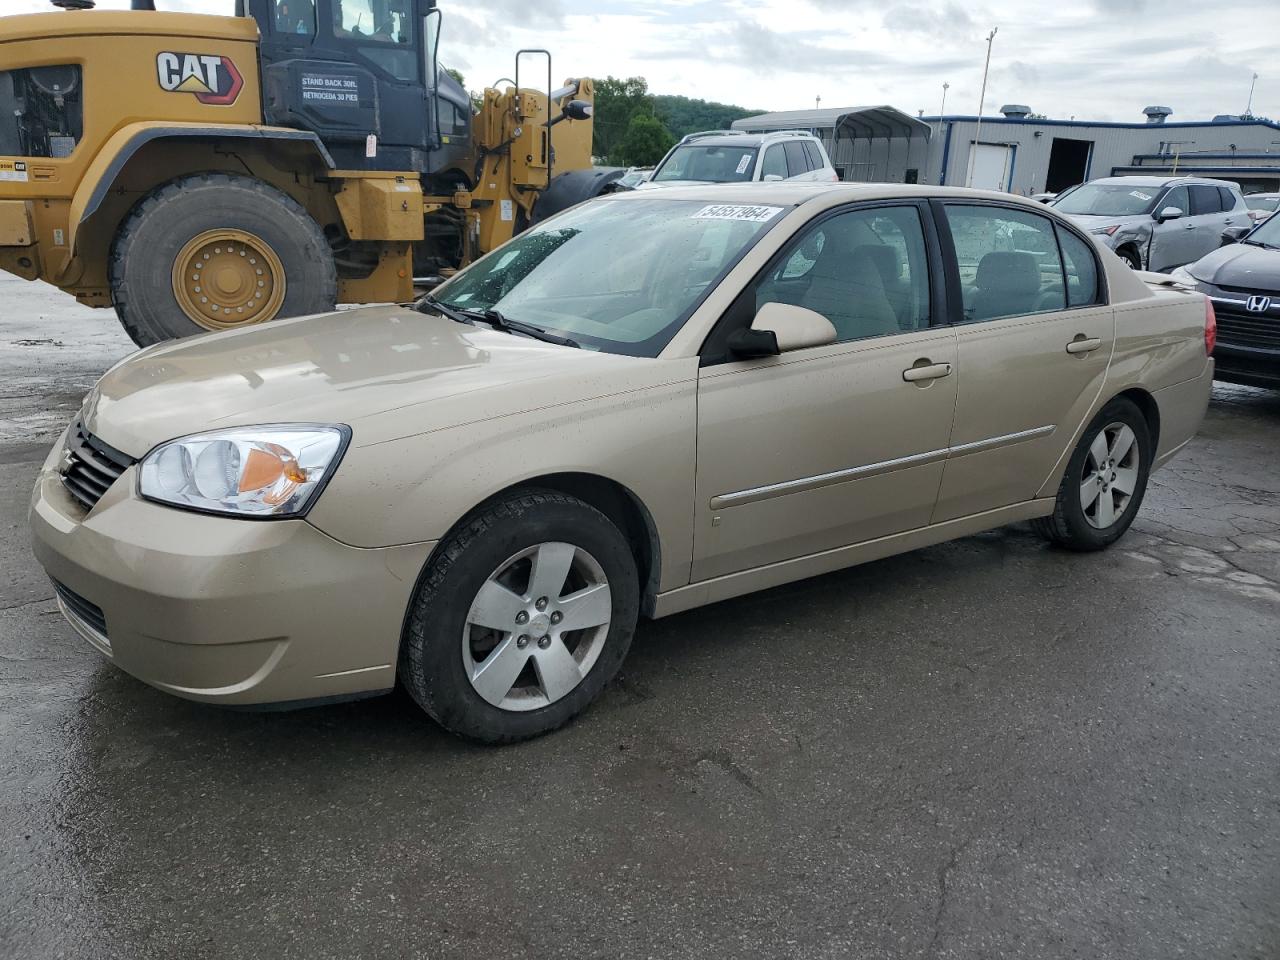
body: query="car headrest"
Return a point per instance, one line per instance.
(1008, 272)
(885, 259)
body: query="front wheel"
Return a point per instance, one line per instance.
(217, 252)
(1105, 480)
(1131, 257)
(522, 616)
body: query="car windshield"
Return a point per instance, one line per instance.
(1267, 233)
(1262, 203)
(1108, 200)
(708, 162)
(615, 275)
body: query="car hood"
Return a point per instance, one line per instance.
(663, 184)
(1240, 265)
(385, 371)
(1092, 222)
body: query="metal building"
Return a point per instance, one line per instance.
(864, 143)
(1016, 152)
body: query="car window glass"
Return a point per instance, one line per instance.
(815, 158)
(775, 163)
(1008, 259)
(1177, 197)
(384, 31)
(866, 271)
(1228, 198)
(1081, 269)
(797, 162)
(296, 17)
(1205, 199)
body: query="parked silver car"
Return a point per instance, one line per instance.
(1156, 223)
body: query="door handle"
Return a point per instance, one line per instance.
(1188, 226)
(1083, 344)
(924, 370)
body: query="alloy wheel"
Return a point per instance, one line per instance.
(1110, 475)
(537, 626)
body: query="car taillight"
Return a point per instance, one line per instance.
(1111, 231)
(1210, 328)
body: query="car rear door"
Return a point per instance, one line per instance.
(1033, 344)
(1207, 217)
(833, 445)
(798, 165)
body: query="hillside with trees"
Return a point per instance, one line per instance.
(634, 127)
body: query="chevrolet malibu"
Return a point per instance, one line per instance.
(648, 403)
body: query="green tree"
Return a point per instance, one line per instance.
(645, 142)
(683, 115)
(616, 102)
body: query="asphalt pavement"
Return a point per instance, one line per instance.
(990, 748)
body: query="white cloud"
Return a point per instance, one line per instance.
(1090, 60)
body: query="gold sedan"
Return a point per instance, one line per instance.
(651, 402)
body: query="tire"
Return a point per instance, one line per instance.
(179, 220)
(1080, 519)
(485, 570)
(1131, 257)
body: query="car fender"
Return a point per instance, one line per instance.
(128, 140)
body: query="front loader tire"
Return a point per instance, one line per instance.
(216, 251)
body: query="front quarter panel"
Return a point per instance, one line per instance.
(640, 435)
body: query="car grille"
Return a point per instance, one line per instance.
(89, 614)
(90, 466)
(1247, 329)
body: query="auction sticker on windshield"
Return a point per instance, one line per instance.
(736, 211)
(744, 163)
(1139, 194)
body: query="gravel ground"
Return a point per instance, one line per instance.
(989, 748)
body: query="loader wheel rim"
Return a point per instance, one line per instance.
(224, 279)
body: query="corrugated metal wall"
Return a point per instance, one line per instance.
(1113, 147)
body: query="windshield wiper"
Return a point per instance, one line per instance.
(500, 321)
(444, 309)
(1259, 243)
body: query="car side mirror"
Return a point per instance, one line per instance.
(772, 177)
(1169, 213)
(779, 327)
(1234, 234)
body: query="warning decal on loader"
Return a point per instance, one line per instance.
(13, 171)
(211, 78)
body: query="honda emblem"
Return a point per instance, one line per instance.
(1258, 304)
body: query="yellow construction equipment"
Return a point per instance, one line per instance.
(205, 173)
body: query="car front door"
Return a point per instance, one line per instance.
(1207, 217)
(827, 446)
(1033, 348)
(1173, 242)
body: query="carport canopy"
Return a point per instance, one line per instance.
(855, 122)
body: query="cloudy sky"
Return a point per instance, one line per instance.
(1095, 59)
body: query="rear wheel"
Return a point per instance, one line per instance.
(217, 252)
(1105, 480)
(522, 616)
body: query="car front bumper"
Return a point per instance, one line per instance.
(219, 609)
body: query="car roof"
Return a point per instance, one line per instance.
(1161, 181)
(792, 193)
(732, 138)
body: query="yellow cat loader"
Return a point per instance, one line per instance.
(204, 173)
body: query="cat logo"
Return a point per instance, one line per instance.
(213, 79)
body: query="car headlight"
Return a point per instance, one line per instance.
(267, 471)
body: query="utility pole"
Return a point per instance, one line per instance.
(1248, 110)
(942, 110)
(982, 100)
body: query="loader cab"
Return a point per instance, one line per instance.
(363, 75)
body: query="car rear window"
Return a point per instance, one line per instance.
(1228, 198)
